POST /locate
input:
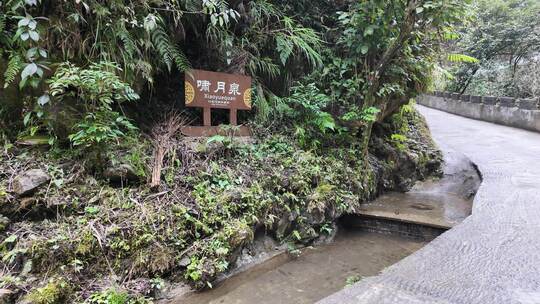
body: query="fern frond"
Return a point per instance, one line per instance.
(299, 40)
(170, 53)
(161, 43)
(461, 58)
(263, 66)
(5, 35)
(2, 22)
(180, 59)
(14, 66)
(129, 44)
(145, 69)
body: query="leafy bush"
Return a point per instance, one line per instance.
(96, 91)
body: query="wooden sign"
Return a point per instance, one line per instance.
(206, 89)
(209, 90)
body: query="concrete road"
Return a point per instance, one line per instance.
(494, 255)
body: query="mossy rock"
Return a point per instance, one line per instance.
(57, 291)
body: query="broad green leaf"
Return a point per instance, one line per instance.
(27, 117)
(24, 21)
(369, 30)
(32, 24)
(29, 70)
(43, 99)
(364, 49)
(34, 35)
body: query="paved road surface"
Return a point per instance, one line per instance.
(494, 255)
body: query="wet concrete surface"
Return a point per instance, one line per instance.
(315, 274)
(493, 256)
(441, 203)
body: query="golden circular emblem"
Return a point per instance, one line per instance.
(190, 93)
(247, 98)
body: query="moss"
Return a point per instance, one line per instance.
(55, 292)
(85, 243)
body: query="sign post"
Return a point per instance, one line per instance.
(212, 90)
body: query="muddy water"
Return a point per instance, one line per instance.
(317, 273)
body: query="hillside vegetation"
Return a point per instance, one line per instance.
(90, 112)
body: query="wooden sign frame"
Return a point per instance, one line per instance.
(209, 90)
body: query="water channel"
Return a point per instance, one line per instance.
(384, 232)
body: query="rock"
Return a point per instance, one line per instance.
(121, 173)
(29, 181)
(283, 226)
(184, 262)
(4, 223)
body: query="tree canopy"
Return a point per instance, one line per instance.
(505, 38)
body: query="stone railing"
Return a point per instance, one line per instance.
(514, 112)
(526, 104)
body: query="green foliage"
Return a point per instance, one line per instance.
(100, 128)
(13, 68)
(170, 53)
(366, 115)
(298, 38)
(306, 106)
(113, 296)
(393, 53)
(461, 58)
(503, 36)
(56, 291)
(351, 280)
(398, 140)
(98, 89)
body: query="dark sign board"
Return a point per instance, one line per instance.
(206, 89)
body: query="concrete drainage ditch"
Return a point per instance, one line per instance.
(382, 233)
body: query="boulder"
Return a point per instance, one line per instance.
(29, 181)
(121, 173)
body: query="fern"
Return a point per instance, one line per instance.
(129, 44)
(263, 66)
(5, 36)
(13, 68)
(2, 22)
(461, 58)
(145, 68)
(180, 59)
(170, 54)
(305, 40)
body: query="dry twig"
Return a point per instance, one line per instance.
(163, 134)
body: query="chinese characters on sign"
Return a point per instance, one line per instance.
(209, 90)
(217, 90)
